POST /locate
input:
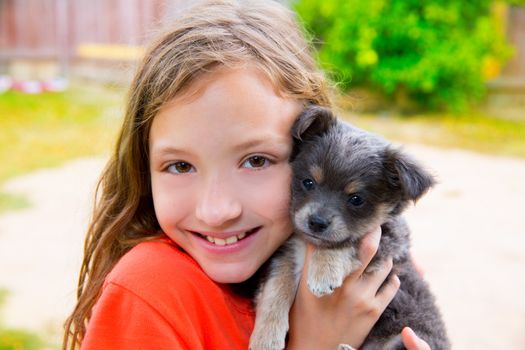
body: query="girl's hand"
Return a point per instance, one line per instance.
(350, 312)
(412, 341)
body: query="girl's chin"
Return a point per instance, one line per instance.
(230, 274)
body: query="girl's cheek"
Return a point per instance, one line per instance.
(172, 199)
(269, 191)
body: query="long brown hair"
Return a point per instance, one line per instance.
(212, 34)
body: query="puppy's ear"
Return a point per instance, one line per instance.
(406, 175)
(314, 120)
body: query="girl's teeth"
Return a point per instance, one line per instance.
(219, 241)
(229, 240)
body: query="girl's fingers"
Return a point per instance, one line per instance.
(382, 284)
(412, 341)
(377, 276)
(368, 249)
(388, 291)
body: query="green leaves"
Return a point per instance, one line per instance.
(433, 50)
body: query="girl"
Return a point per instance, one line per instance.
(195, 198)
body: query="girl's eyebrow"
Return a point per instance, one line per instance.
(274, 142)
(268, 141)
(166, 150)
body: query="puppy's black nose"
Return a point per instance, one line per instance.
(317, 223)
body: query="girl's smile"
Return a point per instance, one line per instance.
(219, 171)
(226, 238)
(230, 243)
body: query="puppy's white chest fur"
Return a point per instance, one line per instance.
(329, 267)
(326, 271)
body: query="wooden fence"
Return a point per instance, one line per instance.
(66, 31)
(44, 29)
(516, 35)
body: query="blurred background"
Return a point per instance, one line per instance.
(446, 79)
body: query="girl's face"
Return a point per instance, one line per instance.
(219, 171)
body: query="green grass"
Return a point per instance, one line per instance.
(477, 131)
(12, 201)
(16, 339)
(45, 130)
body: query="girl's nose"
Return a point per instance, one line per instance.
(218, 204)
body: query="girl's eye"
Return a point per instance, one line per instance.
(355, 200)
(181, 168)
(308, 184)
(256, 162)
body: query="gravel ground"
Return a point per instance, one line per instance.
(469, 236)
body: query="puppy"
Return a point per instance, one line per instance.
(345, 183)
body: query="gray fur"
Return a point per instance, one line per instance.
(334, 221)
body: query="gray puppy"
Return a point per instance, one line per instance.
(345, 183)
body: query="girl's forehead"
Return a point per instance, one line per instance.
(243, 92)
(236, 103)
(225, 75)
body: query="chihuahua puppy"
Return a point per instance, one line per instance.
(345, 183)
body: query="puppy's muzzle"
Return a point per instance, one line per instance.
(318, 224)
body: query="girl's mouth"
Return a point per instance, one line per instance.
(230, 240)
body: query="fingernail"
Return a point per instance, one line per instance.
(397, 280)
(410, 331)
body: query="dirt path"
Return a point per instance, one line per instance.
(41, 246)
(469, 235)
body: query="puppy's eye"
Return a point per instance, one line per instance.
(308, 184)
(355, 200)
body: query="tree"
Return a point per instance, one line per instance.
(434, 52)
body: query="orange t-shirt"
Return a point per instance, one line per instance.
(158, 297)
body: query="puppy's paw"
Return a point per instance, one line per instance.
(321, 283)
(321, 290)
(271, 336)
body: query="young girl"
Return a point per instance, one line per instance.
(195, 199)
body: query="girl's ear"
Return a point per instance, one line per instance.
(314, 120)
(406, 174)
